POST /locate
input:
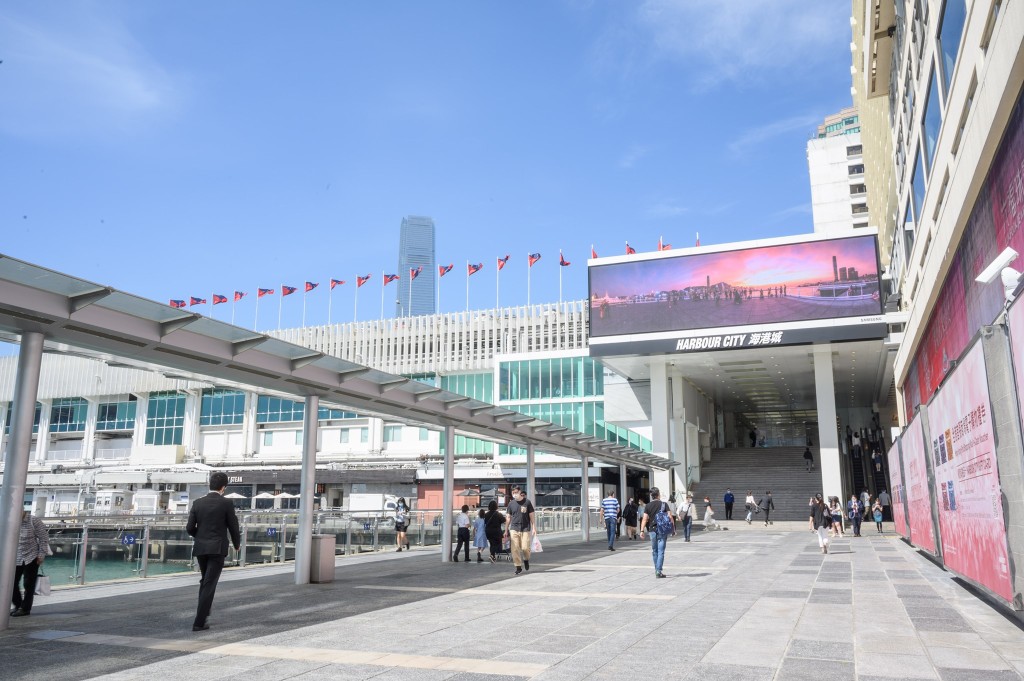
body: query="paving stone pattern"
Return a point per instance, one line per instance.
(748, 605)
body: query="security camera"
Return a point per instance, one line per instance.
(995, 268)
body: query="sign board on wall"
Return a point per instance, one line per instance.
(898, 495)
(818, 280)
(962, 447)
(918, 499)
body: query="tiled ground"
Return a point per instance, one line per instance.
(749, 604)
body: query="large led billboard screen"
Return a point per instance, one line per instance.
(792, 282)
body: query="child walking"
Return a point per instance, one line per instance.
(480, 535)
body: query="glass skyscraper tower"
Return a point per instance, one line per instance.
(416, 249)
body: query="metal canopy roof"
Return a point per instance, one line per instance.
(98, 321)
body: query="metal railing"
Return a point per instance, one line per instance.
(105, 548)
(64, 455)
(112, 454)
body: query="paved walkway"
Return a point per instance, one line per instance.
(748, 604)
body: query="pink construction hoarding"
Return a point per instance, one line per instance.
(898, 493)
(922, 531)
(967, 478)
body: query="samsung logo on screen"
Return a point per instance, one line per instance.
(733, 340)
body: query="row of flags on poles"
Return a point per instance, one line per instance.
(442, 270)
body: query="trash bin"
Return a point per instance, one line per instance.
(321, 569)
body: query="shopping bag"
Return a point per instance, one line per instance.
(536, 548)
(42, 585)
(506, 544)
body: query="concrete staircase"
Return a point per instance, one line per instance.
(779, 469)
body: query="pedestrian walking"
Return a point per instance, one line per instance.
(729, 499)
(809, 459)
(480, 535)
(766, 505)
(492, 528)
(462, 522)
(401, 523)
(610, 516)
(865, 502)
(750, 505)
(709, 516)
(630, 516)
(835, 508)
(822, 523)
(520, 529)
(876, 512)
(33, 548)
(685, 515)
(855, 513)
(883, 497)
(657, 519)
(811, 505)
(210, 520)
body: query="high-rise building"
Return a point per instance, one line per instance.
(415, 251)
(836, 166)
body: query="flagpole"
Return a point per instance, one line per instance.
(497, 287)
(232, 310)
(355, 310)
(560, 268)
(529, 270)
(382, 285)
(256, 320)
(467, 286)
(437, 283)
(330, 302)
(408, 310)
(280, 304)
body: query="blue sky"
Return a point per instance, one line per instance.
(173, 149)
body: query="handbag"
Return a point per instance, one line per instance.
(42, 585)
(536, 547)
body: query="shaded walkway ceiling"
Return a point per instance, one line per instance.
(86, 319)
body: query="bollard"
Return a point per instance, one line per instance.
(83, 555)
(144, 566)
(241, 546)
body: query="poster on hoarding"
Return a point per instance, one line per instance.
(898, 496)
(919, 505)
(962, 447)
(794, 282)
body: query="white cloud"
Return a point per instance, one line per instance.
(798, 209)
(80, 73)
(738, 39)
(762, 133)
(632, 155)
(669, 208)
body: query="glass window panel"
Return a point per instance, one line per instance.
(222, 407)
(268, 438)
(344, 435)
(908, 233)
(165, 419)
(917, 183)
(932, 121)
(364, 435)
(954, 15)
(424, 434)
(298, 437)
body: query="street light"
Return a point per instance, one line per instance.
(1000, 267)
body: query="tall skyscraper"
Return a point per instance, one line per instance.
(835, 162)
(415, 250)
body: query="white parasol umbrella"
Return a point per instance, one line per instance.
(286, 495)
(235, 495)
(264, 495)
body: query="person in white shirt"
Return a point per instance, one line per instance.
(462, 522)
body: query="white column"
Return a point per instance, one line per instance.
(585, 496)
(448, 495)
(531, 472)
(12, 494)
(828, 437)
(679, 450)
(92, 413)
(139, 433)
(249, 429)
(43, 434)
(190, 432)
(660, 397)
(622, 485)
(304, 538)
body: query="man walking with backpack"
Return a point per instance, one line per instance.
(659, 521)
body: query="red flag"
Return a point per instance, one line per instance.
(196, 301)
(662, 246)
(473, 269)
(388, 278)
(336, 282)
(562, 261)
(362, 280)
(698, 238)
(413, 273)
(593, 253)
(310, 286)
(177, 303)
(502, 262)
(534, 257)
(218, 299)
(239, 295)
(264, 292)
(287, 290)
(629, 249)
(444, 269)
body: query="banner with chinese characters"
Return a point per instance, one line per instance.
(899, 518)
(967, 478)
(919, 505)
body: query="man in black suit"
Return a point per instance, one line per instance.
(211, 519)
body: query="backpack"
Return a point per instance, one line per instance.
(662, 521)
